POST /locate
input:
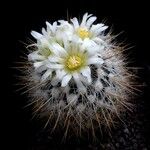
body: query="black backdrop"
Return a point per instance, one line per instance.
(21, 17)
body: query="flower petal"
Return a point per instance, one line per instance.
(85, 17)
(44, 32)
(90, 21)
(96, 27)
(54, 27)
(57, 49)
(99, 40)
(98, 31)
(65, 80)
(60, 74)
(36, 35)
(54, 66)
(41, 68)
(95, 60)
(75, 22)
(35, 56)
(80, 86)
(87, 73)
(54, 59)
(46, 75)
(51, 28)
(38, 64)
(90, 46)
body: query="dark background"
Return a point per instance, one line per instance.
(23, 132)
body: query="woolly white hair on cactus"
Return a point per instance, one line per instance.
(77, 76)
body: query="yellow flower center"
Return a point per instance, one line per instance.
(83, 33)
(74, 62)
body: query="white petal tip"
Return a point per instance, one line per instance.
(36, 35)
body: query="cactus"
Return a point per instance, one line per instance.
(77, 76)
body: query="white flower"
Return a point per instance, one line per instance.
(39, 57)
(42, 52)
(61, 52)
(73, 62)
(86, 29)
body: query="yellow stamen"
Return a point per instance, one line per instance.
(74, 62)
(83, 33)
